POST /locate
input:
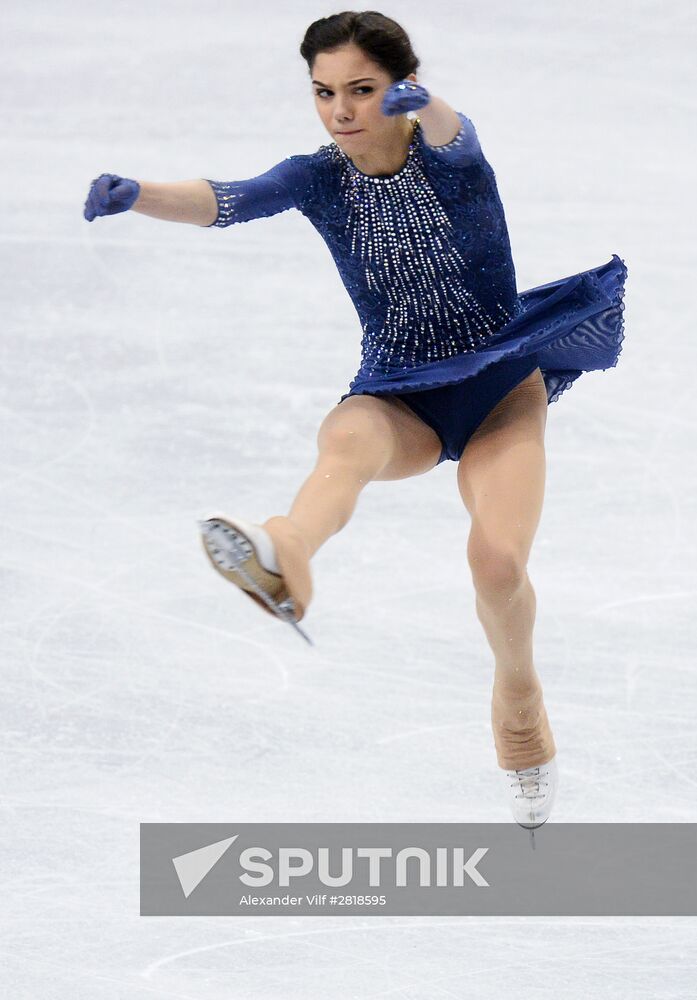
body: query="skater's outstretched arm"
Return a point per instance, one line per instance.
(178, 201)
(202, 202)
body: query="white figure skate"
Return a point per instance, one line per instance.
(244, 553)
(531, 793)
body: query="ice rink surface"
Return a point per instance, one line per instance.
(152, 372)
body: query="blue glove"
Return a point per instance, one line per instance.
(404, 95)
(110, 194)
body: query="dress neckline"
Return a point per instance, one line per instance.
(383, 178)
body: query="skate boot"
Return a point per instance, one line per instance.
(531, 793)
(267, 562)
(522, 734)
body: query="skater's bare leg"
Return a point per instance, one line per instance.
(501, 478)
(362, 439)
(365, 438)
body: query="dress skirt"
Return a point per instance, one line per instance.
(567, 327)
(573, 325)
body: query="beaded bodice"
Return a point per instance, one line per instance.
(424, 253)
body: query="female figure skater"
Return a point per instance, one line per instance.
(456, 365)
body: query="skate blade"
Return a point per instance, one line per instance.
(229, 550)
(531, 827)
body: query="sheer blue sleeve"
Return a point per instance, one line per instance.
(463, 150)
(277, 190)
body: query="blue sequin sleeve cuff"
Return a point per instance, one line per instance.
(463, 149)
(224, 198)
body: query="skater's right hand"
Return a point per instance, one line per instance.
(110, 194)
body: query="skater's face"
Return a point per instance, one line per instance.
(348, 88)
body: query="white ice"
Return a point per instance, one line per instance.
(152, 372)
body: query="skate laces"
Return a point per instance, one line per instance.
(529, 781)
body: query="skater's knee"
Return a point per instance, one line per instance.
(497, 569)
(356, 443)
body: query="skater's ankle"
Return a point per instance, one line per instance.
(526, 757)
(293, 560)
(522, 734)
(288, 528)
(521, 746)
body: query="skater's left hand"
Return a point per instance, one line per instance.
(404, 95)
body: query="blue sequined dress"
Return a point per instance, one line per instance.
(425, 257)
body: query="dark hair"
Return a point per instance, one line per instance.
(381, 38)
